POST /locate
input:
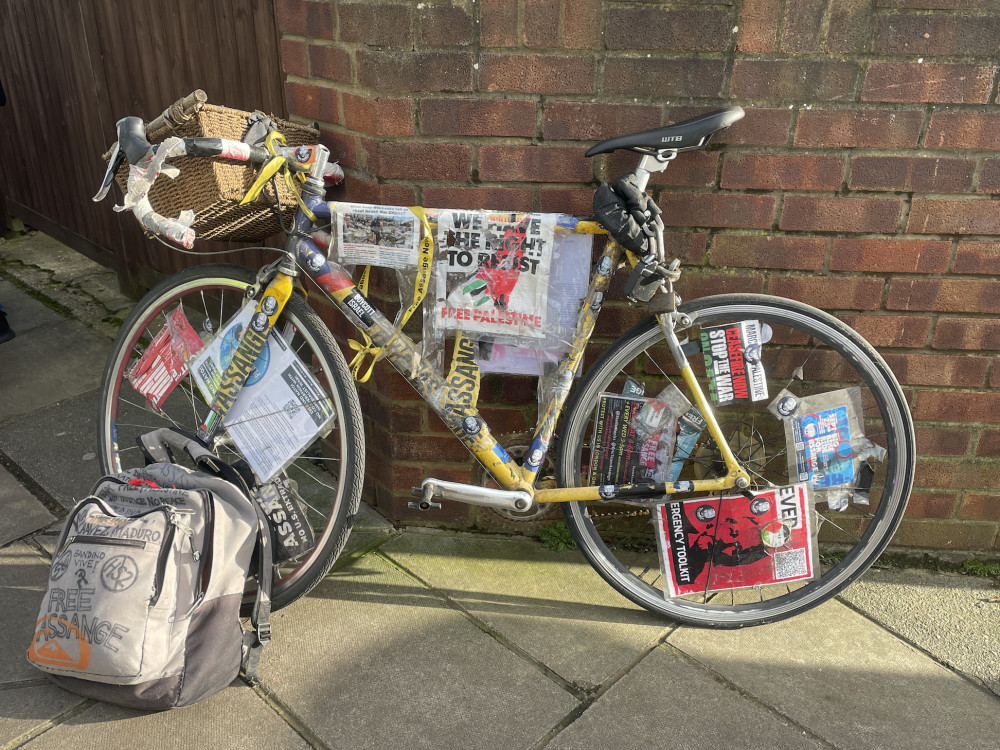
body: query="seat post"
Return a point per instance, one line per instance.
(651, 163)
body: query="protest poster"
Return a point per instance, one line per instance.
(733, 362)
(164, 364)
(716, 544)
(496, 267)
(623, 451)
(281, 408)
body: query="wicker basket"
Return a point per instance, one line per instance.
(213, 188)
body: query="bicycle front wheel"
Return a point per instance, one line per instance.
(326, 477)
(809, 353)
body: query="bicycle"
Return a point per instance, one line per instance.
(744, 448)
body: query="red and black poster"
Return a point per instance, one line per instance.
(622, 453)
(733, 362)
(717, 544)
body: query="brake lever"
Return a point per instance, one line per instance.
(114, 164)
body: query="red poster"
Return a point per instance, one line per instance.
(164, 363)
(716, 544)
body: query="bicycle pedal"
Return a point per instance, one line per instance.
(425, 502)
(424, 505)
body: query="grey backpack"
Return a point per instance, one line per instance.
(143, 602)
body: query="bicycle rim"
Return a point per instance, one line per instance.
(325, 476)
(810, 353)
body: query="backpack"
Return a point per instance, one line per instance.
(143, 601)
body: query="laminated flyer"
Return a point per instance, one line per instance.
(385, 236)
(569, 279)
(624, 452)
(164, 364)
(281, 408)
(497, 270)
(716, 544)
(826, 445)
(733, 361)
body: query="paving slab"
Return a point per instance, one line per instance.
(551, 604)
(850, 681)
(27, 708)
(24, 312)
(22, 513)
(372, 659)
(369, 526)
(955, 618)
(235, 718)
(23, 578)
(49, 254)
(29, 377)
(664, 702)
(57, 447)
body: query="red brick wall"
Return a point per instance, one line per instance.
(862, 179)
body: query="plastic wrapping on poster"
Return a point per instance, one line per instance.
(384, 237)
(164, 364)
(634, 437)
(826, 444)
(733, 361)
(280, 409)
(513, 282)
(718, 544)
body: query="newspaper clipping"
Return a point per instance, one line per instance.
(385, 236)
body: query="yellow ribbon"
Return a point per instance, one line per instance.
(270, 169)
(421, 283)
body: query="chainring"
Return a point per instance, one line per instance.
(516, 444)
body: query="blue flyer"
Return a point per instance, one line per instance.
(824, 456)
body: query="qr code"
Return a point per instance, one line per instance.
(790, 564)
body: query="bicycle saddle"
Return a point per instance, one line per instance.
(686, 135)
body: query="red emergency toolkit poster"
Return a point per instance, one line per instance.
(717, 544)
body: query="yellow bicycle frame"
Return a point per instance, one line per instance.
(454, 398)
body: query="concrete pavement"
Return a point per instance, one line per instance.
(423, 639)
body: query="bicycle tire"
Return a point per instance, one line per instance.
(327, 477)
(621, 551)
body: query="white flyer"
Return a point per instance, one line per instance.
(279, 411)
(384, 236)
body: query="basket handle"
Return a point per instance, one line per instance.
(176, 114)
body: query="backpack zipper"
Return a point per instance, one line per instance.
(106, 540)
(107, 510)
(173, 523)
(209, 505)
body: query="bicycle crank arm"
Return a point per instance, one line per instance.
(470, 494)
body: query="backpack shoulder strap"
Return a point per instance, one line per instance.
(260, 618)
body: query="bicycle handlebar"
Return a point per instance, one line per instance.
(147, 162)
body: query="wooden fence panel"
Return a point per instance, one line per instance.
(72, 68)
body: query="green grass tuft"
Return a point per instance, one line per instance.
(556, 537)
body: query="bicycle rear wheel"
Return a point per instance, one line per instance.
(810, 353)
(326, 477)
